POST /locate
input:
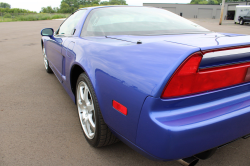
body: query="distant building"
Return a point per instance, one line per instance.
(200, 11)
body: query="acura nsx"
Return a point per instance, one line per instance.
(165, 86)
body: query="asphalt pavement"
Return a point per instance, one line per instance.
(39, 123)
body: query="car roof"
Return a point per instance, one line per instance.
(95, 7)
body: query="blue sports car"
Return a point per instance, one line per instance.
(165, 86)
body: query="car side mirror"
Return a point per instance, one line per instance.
(47, 32)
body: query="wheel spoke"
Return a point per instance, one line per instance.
(88, 127)
(91, 134)
(90, 106)
(81, 94)
(45, 64)
(45, 59)
(83, 119)
(92, 124)
(80, 102)
(86, 92)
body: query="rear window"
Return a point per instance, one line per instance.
(137, 21)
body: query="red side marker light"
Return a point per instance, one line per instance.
(119, 107)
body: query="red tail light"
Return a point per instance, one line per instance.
(188, 79)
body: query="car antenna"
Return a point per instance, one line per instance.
(139, 42)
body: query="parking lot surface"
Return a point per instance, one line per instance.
(39, 122)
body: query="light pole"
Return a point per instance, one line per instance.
(222, 10)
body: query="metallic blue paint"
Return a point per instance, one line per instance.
(186, 126)
(135, 76)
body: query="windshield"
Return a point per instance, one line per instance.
(137, 21)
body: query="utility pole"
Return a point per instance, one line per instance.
(222, 10)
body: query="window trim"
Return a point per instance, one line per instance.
(65, 35)
(93, 10)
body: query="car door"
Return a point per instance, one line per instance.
(68, 44)
(54, 47)
(54, 54)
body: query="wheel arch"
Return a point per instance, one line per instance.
(75, 71)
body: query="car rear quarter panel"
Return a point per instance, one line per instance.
(128, 73)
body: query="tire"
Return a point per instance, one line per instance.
(94, 128)
(241, 22)
(46, 62)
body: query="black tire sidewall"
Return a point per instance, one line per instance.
(94, 142)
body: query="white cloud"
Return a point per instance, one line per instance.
(33, 5)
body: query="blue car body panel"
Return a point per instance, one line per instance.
(186, 126)
(131, 74)
(135, 75)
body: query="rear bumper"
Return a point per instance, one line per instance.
(179, 128)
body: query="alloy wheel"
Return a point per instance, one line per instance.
(86, 110)
(45, 60)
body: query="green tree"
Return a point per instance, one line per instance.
(56, 9)
(117, 2)
(48, 9)
(15, 10)
(4, 5)
(199, 2)
(104, 3)
(69, 6)
(114, 2)
(65, 8)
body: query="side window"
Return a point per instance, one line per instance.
(67, 28)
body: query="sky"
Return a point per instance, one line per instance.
(36, 5)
